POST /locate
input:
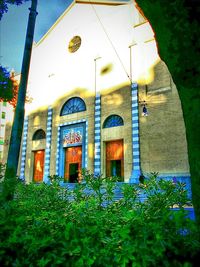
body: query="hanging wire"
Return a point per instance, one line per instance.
(110, 40)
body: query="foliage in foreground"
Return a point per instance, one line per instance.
(49, 225)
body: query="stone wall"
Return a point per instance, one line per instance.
(162, 134)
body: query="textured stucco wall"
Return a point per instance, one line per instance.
(162, 134)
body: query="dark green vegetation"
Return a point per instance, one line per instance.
(48, 225)
(177, 28)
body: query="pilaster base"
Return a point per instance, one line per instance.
(135, 176)
(46, 180)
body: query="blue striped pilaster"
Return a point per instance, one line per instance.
(48, 145)
(24, 144)
(97, 135)
(86, 144)
(135, 135)
(58, 151)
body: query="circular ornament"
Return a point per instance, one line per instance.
(74, 44)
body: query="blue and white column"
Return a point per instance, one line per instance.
(86, 144)
(48, 145)
(97, 135)
(135, 135)
(24, 145)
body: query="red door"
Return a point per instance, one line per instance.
(73, 162)
(115, 158)
(38, 170)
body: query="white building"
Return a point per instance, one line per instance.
(6, 117)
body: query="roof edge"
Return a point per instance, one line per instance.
(103, 2)
(92, 2)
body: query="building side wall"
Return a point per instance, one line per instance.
(6, 117)
(163, 142)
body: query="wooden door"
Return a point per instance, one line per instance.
(38, 170)
(115, 158)
(73, 163)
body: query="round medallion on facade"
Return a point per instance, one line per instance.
(74, 44)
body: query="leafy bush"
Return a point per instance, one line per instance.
(2, 171)
(50, 225)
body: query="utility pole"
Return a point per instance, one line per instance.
(17, 127)
(131, 71)
(95, 74)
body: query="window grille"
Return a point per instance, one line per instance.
(73, 105)
(38, 135)
(113, 121)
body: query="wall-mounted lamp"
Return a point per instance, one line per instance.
(144, 109)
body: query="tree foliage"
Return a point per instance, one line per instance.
(6, 85)
(9, 86)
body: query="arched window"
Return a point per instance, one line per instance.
(73, 105)
(38, 135)
(113, 121)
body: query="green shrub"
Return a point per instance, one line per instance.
(49, 225)
(2, 171)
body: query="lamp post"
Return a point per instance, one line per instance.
(17, 127)
(95, 73)
(130, 47)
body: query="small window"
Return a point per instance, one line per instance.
(3, 115)
(4, 104)
(73, 105)
(113, 121)
(38, 135)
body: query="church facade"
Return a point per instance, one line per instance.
(106, 102)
